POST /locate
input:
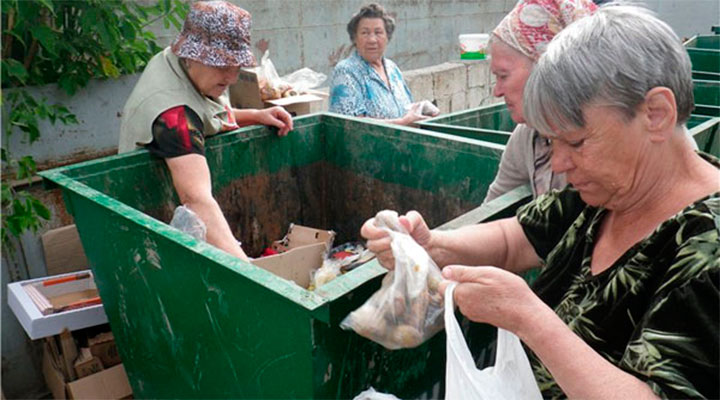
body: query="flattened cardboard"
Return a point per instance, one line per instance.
(69, 354)
(63, 250)
(51, 370)
(111, 383)
(301, 250)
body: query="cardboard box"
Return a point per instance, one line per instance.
(63, 250)
(87, 364)
(103, 346)
(109, 383)
(301, 252)
(37, 325)
(246, 94)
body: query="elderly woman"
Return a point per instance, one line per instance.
(516, 44)
(628, 301)
(182, 97)
(367, 84)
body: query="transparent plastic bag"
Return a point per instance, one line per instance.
(273, 87)
(407, 309)
(510, 378)
(187, 221)
(423, 108)
(372, 394)
(304, 79)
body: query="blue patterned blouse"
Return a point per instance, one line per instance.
(357, 90)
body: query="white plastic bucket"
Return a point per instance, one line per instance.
(473, 46)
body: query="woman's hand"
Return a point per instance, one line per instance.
(378, 240)
(277, 117)
(494, 296)
(413, 115)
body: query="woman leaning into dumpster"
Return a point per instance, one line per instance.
(367, 84)
(628, 300)
(182, 97)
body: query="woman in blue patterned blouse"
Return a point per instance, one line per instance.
(367, 84)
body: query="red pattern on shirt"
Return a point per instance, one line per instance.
(175, 119)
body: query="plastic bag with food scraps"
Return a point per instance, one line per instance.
(273, 87)
(407, 309)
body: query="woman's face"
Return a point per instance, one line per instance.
(371, 39)
(211, 81)
(511, 69)
(603, 160)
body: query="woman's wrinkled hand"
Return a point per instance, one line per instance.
(378, 240)
(492, 295)
(277, 117)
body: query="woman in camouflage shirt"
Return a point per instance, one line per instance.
(628, 301)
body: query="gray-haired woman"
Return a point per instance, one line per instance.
(628, 302)
(367, 84)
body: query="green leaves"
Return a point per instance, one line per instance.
(68, 42)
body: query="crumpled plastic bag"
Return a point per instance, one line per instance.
(510, 378)
(407, 309)
(273, 87)
(372, 394)
(423, 108)
(187, 221)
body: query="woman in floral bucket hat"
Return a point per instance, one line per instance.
(182, 97)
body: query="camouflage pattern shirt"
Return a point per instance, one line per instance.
(655, 313)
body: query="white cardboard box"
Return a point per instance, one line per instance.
(39, 326)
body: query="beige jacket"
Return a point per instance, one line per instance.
(164, 85)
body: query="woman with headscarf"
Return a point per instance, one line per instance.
(627, 305)
(182, 98)
(516, 44)
(367, 84)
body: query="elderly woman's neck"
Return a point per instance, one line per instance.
(669, 180)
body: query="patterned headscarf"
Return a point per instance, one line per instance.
(216, 33)
(532, 24)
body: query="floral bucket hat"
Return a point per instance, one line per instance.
(217, 34)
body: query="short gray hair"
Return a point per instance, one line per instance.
(611, 58)
(372, 10)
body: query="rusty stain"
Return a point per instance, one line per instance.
(259, 208)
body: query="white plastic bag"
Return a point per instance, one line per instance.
(407, 309)
(304, 79)
(187, 221)
(510, 378)
(423, 108)
(372, 394)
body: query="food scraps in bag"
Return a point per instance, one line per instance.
(407, 309)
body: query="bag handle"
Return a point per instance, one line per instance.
(457, 348)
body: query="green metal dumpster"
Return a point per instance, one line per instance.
(704, 52)
(490, 123)
(707, 97)
(706, 132)
(191, 321)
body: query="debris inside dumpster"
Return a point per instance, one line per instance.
(407, 309)
(339, 260)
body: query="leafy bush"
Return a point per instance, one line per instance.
(68, 42)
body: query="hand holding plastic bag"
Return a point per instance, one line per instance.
(407, 310)
(510, 378)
